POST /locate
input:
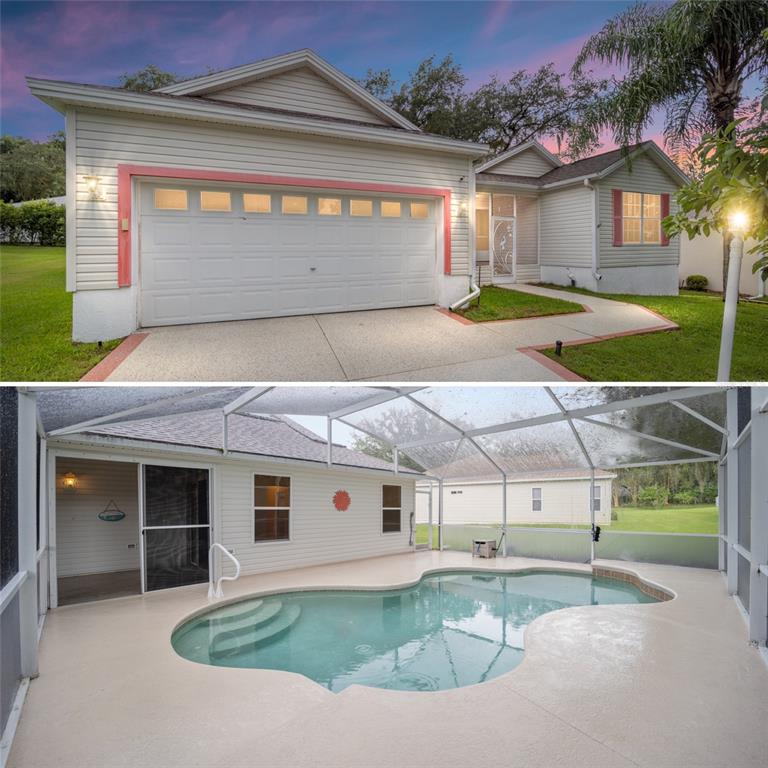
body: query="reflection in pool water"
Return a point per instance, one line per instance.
(449, 630)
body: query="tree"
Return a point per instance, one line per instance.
(690, 59)
(735, 174)
(147, 79)
(31, 170)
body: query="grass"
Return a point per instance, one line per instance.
(36, 319)
(689, 354)
(495, 303)
(699, 518)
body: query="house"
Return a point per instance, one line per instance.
(135, 506)
(548, 498)
(283, 188)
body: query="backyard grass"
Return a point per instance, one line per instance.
(689, 354)
(699, 518)
(36, 319)
(496, 303)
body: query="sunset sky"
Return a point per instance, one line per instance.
(96, 42)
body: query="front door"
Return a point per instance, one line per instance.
(503, 249)
(175, 525)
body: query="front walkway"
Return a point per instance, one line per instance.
(415, 344)
(664, 685)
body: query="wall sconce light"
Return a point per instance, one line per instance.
(93, 183)
(70, 481)
(738, 222)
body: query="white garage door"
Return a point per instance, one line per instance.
(224, 253)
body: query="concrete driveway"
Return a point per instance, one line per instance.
(412, 344)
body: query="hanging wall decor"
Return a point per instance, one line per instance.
(341, 500)
(111, 513)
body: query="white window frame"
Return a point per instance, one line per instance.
(254, 508)
(597, 498)
(540, 489)
(641, 219)
(389, 509)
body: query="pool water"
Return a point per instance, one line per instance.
(449, 630)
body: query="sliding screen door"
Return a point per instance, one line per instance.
(175, 526)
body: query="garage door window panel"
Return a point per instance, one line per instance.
(171, 200)
(295, 205)
(391, 209)
(361, 207)
(215, 201)
(329, 206)
(257, 203)
(419, 210)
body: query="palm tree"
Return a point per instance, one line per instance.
(690, 59)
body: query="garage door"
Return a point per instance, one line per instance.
(224, 253)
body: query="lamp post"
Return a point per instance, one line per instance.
(738, 223)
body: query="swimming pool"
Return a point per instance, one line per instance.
(450, 630)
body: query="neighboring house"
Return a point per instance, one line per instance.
(546, 498)
(704, 256)
(283, 187)
(137, 504)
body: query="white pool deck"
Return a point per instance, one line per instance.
(667, 684)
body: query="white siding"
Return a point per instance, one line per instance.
(526, 163)
(644, 176)
(563, 501)
(300, 90)
(319, 532)
(85, 544)
(566, 227)
(527, 245)
(704, 256)
(105, 139)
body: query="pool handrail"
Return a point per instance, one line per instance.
(215, 591)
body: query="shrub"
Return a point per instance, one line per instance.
(709, 494)
(696, 283)
(35, 223)
(686, 497)
(652, 496)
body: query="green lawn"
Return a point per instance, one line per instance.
(496, 303)
(700, 518)
(689, 354)
(36, 319)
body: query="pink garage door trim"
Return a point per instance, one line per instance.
(125, 174)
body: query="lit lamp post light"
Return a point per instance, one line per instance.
(738, 223)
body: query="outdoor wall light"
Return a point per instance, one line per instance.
(69, 480)
(93, 183)
(738, 222)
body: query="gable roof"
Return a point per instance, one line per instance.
(595, 167)
(259, 435)
(257, 70)
(528, 145)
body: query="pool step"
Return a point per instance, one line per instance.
(231, 643)
(249, 621)
(233, 613)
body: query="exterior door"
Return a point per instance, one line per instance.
(175, 526)
(503, 249)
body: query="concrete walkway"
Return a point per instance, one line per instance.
(666, 685)
(414, 344)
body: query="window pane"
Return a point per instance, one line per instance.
(215, 201)
(390, 209)
(390, 521)
(271, 491)
(632, 202)
(171, 199)
(536, 493)
(651, 231)
(175, 496)
(652, 206)
(419, 210)
(329, 206)
(253, 203)
(481, 229)
(294, 204)
(391, 496)
(361, 207)
(631, 231)
(536, 505)
(270, 525)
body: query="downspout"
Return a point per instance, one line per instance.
(474, 288)
(595, 271)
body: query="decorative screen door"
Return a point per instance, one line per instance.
(503, 248)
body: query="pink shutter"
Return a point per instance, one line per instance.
(664, 214)
(618, 223)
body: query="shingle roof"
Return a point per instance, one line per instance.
(274, 436)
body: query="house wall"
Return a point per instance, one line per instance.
(563, 501)
(319, 532)
(566, 235)
(621, 265)
(704, 256)
(85, 544)
(300, 90)
(526, 163)
(105, 139)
